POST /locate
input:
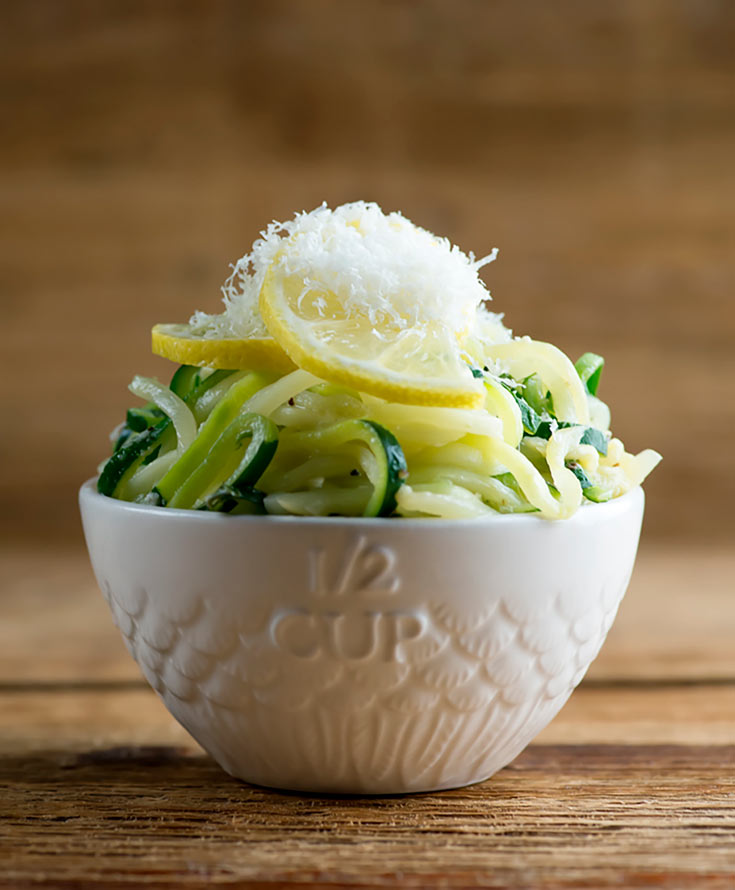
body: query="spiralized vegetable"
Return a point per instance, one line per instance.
(540, 444)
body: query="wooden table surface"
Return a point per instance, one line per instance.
(633, 785)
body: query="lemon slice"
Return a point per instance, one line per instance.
(415, 364)
(179, 343)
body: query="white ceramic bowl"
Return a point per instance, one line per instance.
(368, 656)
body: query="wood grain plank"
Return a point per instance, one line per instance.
(642, 714)
(677, 619)
(54, 624)
(564, 816)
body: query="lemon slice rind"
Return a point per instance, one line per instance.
(177, 343)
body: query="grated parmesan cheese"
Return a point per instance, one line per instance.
(379, 265)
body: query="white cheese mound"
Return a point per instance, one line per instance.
(378, 265)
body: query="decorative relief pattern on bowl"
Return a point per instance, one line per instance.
(362, 656)
(356, 693)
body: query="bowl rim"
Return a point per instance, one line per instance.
(587, 512)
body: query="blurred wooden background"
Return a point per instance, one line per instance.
(145, 144)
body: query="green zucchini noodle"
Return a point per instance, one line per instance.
(203, 406)
(540, 444)
(168, 402)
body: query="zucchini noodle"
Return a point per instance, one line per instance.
(146, 476)
(419, 426)
(441, 499)
(253, 441)
(357, 371)
(324, 502)
(524, 357)
(273, 396)
(500, 402)
(170, 404)
(204, 405)
(560, 445)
